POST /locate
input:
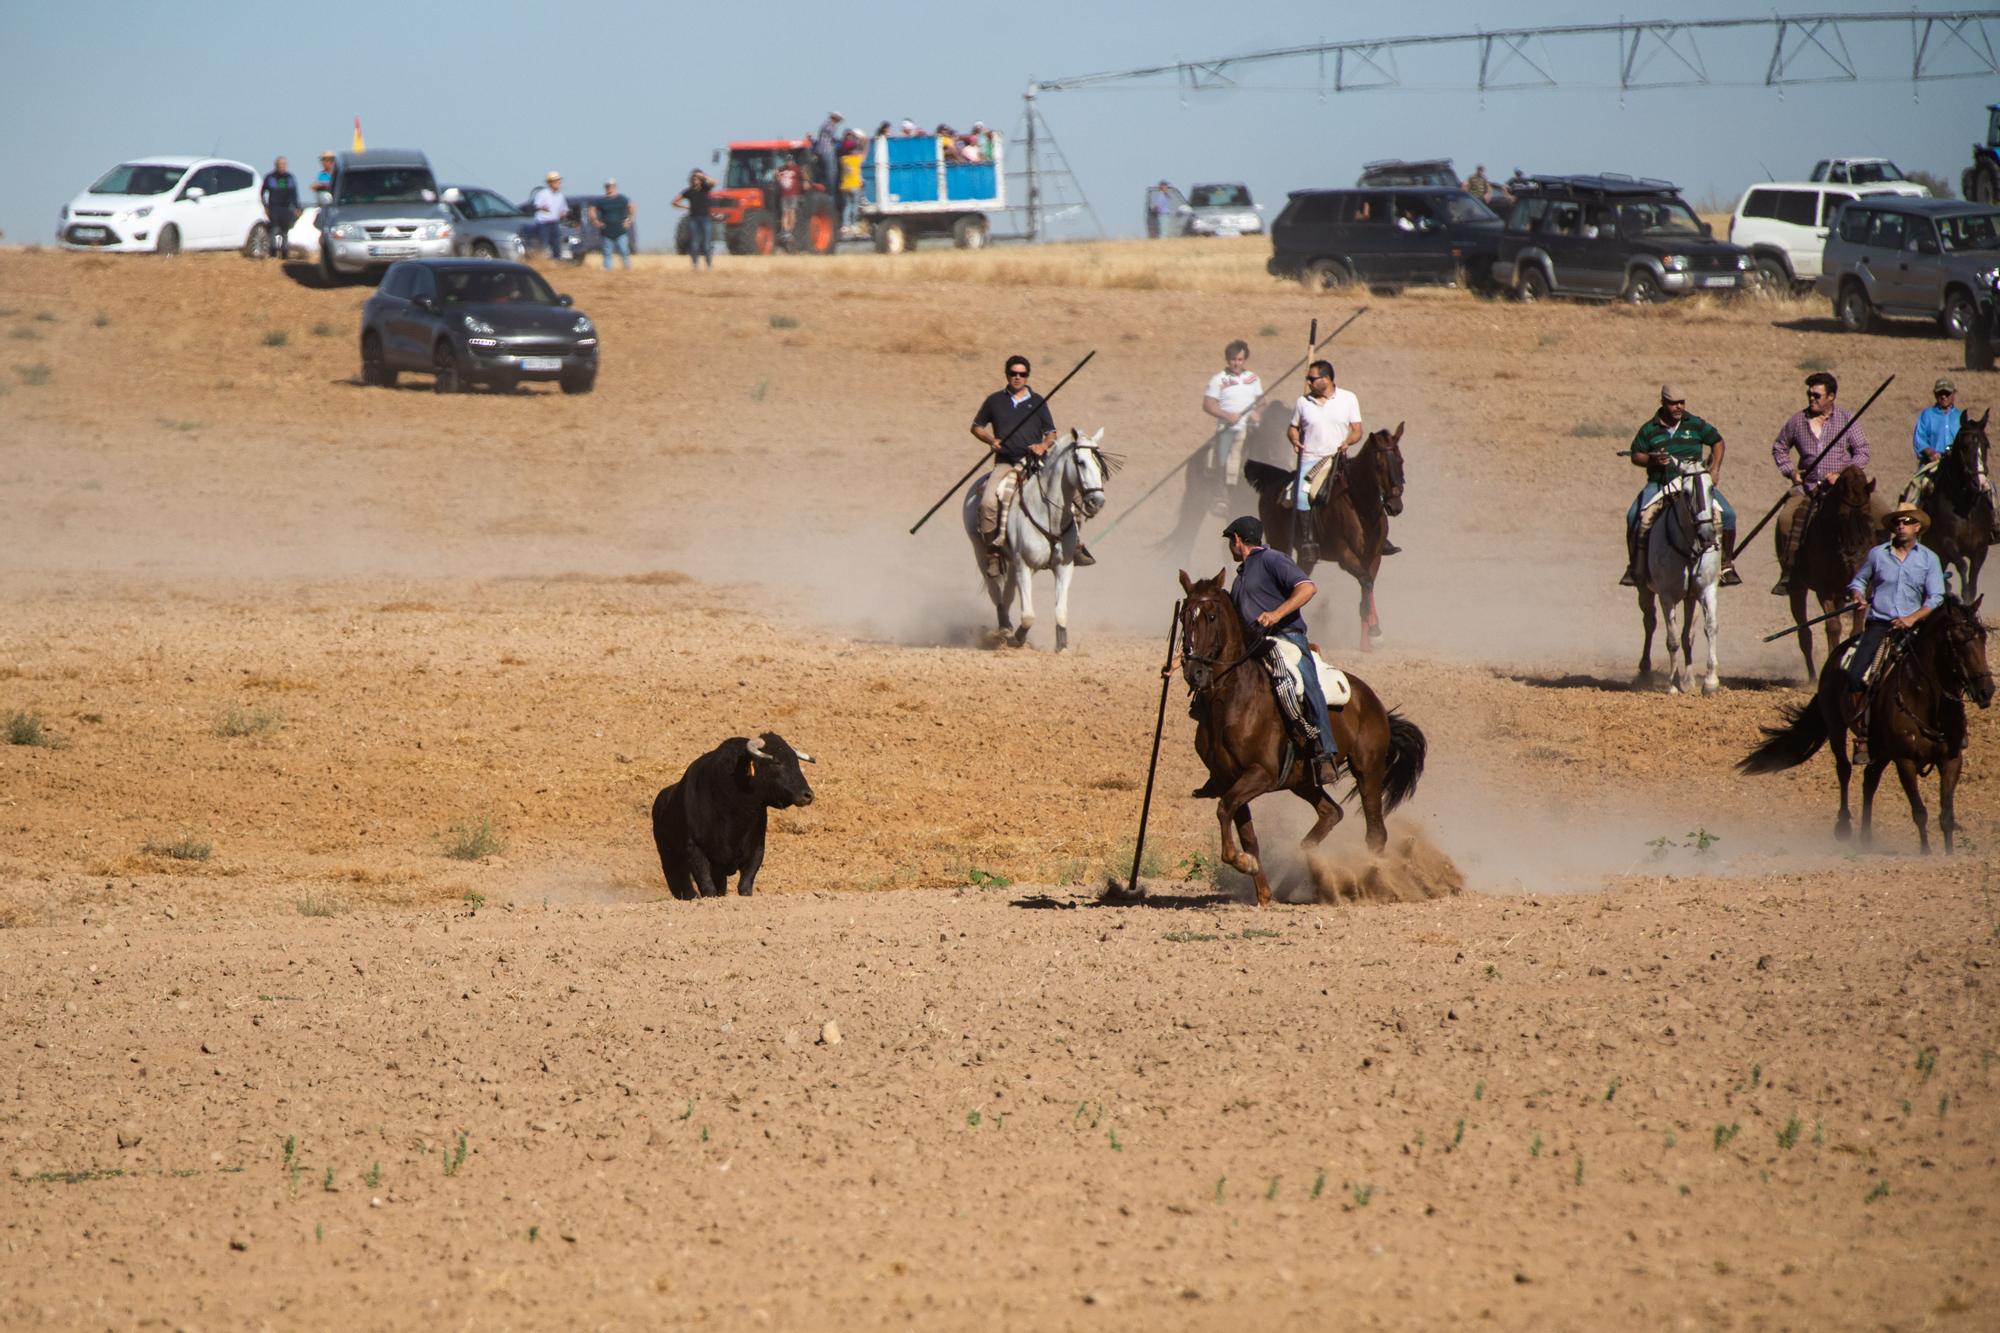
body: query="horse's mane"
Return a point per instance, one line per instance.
(1851, 485)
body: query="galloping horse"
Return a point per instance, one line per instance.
(1916, 719)
(1683, 566)
(1837, 537)
(1963, 524)
(1240, 735)
(1042, 529)
(1350, 517)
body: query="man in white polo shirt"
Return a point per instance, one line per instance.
(1325, 423)
(1233, 400)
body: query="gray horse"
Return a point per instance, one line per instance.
(1683, 567)
(1043, 529)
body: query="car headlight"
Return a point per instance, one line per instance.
(583, 325)
(1743, 261)
(142, 212)
(434, 231)
(1674, 263)
(1989, 277)
(474, 324)
(344, 231)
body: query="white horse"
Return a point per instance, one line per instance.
(1683, 566)
(1043, 529)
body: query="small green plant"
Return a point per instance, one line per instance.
(1492, 972)
(784, 322)
(1724, 1133)
(1660, 846)
(1611, 1091)
(987, 879)
(102, 321)
(704, 1133)
(24, 333)
(534, 1234)
(319, 1231)
(1819, 1133)
(1220, 1181)
(1579, 1169)
(1943, 1102)
(1672, 1138)
(1458, 1135)
(1788, 1137)
(373, 1175)
(276, 338)
(1756, 1077)
(1685, 1191)
(1096, 1114)
(474, 899)
(34, 375)
(237, 721)
(323, 330)
(1112, 1133)
(1319, 1183)
(454, 1158)
(757, 393)
(689, 1111)
(1268, 331)
(45, 316)
(1479, 1091)
(1814, 363)
(1881, 1191)
(1926, 1064)
(1197, 866)
(1362, 1194)
(1188, 937)
(292, 1164)
(1535, 1148)
(1272, 1192)
(187, 847)
(973, 1118)
(327, 1184)
(1701, 840)
(27, 729)
(318, 904)
(470, 840)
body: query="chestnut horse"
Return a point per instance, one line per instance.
(1240, 735)
(1963, 524)
(1916, 719)
(1350, 517)
(1843, 525)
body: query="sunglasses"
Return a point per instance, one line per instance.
(1017, 374)
(1815, 393)
(1906, 522)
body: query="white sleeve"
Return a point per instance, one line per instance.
(1215, 385)
(1299, 412)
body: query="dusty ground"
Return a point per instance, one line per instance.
(1634, 1076)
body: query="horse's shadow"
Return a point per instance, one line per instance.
(1046, 902)
(1582, 681)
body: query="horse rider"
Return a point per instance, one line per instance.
(1326, 422)
(1937, 426)
(1235, 399)
(1015, 424)
(1806, 433)
(1899, 584)
(1671, 434)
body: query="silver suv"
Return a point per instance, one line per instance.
(381, 206)
(1916, 258)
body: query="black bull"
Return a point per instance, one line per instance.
(710, 825)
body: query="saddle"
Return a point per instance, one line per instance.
(1886, 656)
(1289, 685)
(1322, 483)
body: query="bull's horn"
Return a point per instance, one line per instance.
(757, 748)
(805, 758)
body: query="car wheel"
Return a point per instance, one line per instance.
(1985, 184)
(444, 363)
(1326, 275)
(1853, 308)
(891, 238)
(579, 382)
(1534, 284)
(1959, 314)
(484, 250)
(969, 233)
(1642, 288)
(1772, 277)
(374, 369)
(257, 245)
(170, 240)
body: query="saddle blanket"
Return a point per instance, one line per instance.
(1332, 683)
(1316, 482)
(1891, 649)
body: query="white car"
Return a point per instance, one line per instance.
(1868, 171)
(1783, 224)
(166, 205)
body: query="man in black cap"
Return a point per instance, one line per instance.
(1269, 593)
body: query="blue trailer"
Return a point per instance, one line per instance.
(909, 189)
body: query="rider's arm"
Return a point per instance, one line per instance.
(1353, 434)
(1781, 454)
(1214, 408)
(1302, 592)
(1715, 459)
(982, 427)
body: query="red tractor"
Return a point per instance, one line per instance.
(745, 204)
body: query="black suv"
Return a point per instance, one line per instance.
(1610, 237)
(467, 321)
(1384, 238)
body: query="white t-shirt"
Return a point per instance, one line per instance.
(1234, 393)
(1323, 426)
(550, 204)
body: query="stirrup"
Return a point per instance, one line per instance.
(1326, 770)
(1730, 578)
(1083, 555)
(996, 563)
(1390, 548)
(1629, 579)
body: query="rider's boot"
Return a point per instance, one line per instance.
(1326, 768)
(1631, 576)
(1856, 705)
(1389, 547)
(996, 560)
(1083, 555)
(1730, 578)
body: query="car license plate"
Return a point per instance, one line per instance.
(1729, 281)
(89, 233)
(541, 363)
(390, 251)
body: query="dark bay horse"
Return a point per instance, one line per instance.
(1240, 735)
(1844, 524)
(1350, 517)
(1962, 520)
(1916, 719)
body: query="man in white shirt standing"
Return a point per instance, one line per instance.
(550, 206)
(1233, 400)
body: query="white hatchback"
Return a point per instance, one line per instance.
(168, 204)
(1783, 224)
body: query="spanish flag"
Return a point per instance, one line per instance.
(358, 145)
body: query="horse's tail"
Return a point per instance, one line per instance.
(1790, 745)
(1407, 747)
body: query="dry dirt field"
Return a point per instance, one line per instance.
(275, 1057)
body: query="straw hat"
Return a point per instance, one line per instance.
(1906, 511)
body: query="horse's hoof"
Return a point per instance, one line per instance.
(1842, 829)
(1710, 686)
(1062, 639)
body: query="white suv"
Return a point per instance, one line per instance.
(1783, 224)
(167, 204)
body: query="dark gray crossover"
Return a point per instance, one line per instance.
(475, 321)
(1386, 238)
(1918, 258)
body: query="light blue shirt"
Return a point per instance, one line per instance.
(1935, 430)
(1898, 588)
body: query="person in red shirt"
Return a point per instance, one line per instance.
(791, 183)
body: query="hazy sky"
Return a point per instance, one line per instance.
(644, 91)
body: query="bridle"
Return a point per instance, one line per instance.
(1693, 488)
(1066, 459)
(1203, 670)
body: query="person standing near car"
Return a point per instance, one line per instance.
(550, 207)
(281, 209)
(613, 214)
(323, 183)
(826, 154)
(790, 182)
(1158, 204)
(701, 237)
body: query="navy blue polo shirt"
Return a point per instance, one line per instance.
(1264, 581)
(1002, 413)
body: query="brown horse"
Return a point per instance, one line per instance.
(1916, 719)
(1350, 517)
(1240, 735)
(1962, 519)
(1842, 527)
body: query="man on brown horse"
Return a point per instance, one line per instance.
(1326, 422)
(1807, 433)
(1899, 584)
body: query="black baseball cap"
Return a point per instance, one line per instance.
(1246, 527)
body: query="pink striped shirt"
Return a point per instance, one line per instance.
(1798, 435)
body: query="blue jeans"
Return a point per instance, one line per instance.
(701, 240)
(622, 245)
(1872, 634)
(1315, 696)
(550, 235)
